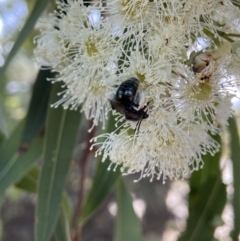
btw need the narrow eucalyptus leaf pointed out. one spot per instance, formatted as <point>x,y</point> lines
<point>3,123</point>
<point>206,203</point>
<point>14,165</point>
<point>103,182</point>
<point>12,144</point>
<point>62,230</point>
<point>128,226</point>
<point>235,154</point>
<point>67,206</point>
<point>29,181</point>
<point>60,139</point>
<point>207,199</point>
<point>2,138</point>
<point>235,3</point>
<point>37,111</point>
<point>26,30</point>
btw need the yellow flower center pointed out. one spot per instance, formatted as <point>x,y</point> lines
<point>91,48</point>
<point>201,92</point>
<point>140,77</point>
<point>130,132</point>
<point>133,10</point>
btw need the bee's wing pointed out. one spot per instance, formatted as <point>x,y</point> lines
<point>132,116</point>
<point>117,106</point>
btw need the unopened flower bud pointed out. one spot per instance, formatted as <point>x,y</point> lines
<point>203,65</point>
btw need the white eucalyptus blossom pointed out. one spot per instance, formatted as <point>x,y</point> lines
<point>227,16</point>
<point>202,15</point>
<point>131,56</point>
<point>131,16</point>
<point>167,148</point>
<point>203,98</point>
<point>150,70</point>
<point>86,58</point>
<point>49,50</point>
<point>234,60</point>
<point>167,39</point>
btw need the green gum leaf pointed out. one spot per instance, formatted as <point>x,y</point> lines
<point>3,123</point>
<point>211,36</point>
<point>29,183</point>
<point>128,226</point>
<point>103,182</point>
<point>14,163</point>
<point>37,111</point>
<point>27,29</point>
<point>61,132</point>
<point>207,199</point>
<point>235,147</point>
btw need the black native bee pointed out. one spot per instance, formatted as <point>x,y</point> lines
<point>128,102</point>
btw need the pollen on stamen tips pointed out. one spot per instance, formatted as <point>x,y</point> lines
<point>54,106</point>
<point>103,159</point>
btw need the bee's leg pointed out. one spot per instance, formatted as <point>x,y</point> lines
<point>138,125</point>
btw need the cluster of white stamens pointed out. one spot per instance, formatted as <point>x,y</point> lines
<point>185,96</point>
